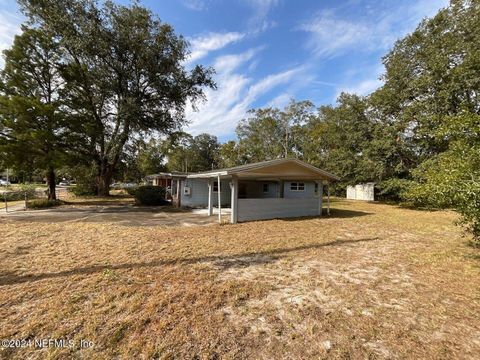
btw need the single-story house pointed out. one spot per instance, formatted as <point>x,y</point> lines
<point>279,188</point>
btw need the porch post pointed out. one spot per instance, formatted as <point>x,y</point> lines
<point>320,197</point>
<point>234,200</point>
<point>328,199</point>
<point>210,197</point>
<point>178,193</point>
<point>219,201</point>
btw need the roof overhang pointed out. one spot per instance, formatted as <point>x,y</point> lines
<point>279,169</point>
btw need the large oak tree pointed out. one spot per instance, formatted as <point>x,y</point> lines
<point>125,75</point>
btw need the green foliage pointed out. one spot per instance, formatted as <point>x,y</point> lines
<point>43,203</point>
<point>131,190</point>
<point>394,189</point>
<point>124,75</point>
<point>33,129</point>
<point>230,154</point>
<point>84,176</point>
<point>149,195</point>
<point>150,158</point>
<point>452,178</point>
<point>193,154</point>
<point>272,133</point>
<point>19,194</point>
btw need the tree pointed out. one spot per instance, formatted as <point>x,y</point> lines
<point>452,178</point>
<point>205,150</point>
<point>125,74</point>
<point>339,138</point>
<point>230,155</point>
<point>272,133</point>
<point>33,129</point>
<point>150,157</point>
<point>193,154</point>
<point>431,96</point>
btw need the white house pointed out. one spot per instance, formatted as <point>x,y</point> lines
<point>271,189</point>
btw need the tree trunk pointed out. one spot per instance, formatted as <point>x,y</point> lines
<point>52,195</point>
<point>103,181</point>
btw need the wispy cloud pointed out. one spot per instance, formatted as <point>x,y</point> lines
<point>371,31</point>
<point>236,94</point>
<point>204,44</point>
<point>259,21</point>
<point>195,5</point>
<point>334,32</point>
<point>332,36</point>
<point>9,27</point>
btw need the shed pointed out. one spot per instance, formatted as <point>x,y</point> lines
<point>279,188</point>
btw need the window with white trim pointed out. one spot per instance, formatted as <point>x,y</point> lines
<point>265,188</point>
<point>297,186</point>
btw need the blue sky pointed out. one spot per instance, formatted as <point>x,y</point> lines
<point>268,51</point>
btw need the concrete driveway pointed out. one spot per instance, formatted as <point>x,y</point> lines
<point>122,214</point>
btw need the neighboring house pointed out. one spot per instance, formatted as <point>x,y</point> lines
<point>271,189</point>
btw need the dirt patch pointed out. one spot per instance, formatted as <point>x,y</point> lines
<point>382,282</point>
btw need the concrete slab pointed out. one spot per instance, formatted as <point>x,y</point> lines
<point>124,214</point>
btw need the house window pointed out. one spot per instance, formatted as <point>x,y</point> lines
<point>297,186</point>
<point>316,188</point>
<point>265,188</point>
<point>215,186</point>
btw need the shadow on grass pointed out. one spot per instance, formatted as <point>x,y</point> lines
<point>334,213</point>
<point>223,262</point>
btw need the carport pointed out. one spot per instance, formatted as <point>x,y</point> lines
<point>279,188</point>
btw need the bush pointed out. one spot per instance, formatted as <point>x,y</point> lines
<point>43,203</point>
<point>85,177</point>
<point>84,189</point>
<point>149,195</point>
<point>130,190</point>
<point>394,189</point>
<point>19,194</point>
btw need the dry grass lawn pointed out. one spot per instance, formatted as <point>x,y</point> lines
<point>372,281</point>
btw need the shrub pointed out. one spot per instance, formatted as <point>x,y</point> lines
<point>43,203</point>
<point>84,189</point>
<point>149,195</point>
<point>85,177</point>
<point>393,189</point>
<point>20,194</point>
<point>130,190</point>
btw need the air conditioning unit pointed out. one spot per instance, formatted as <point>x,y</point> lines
<point>187,190</point>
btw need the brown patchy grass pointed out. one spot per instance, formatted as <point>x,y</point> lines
<point>371,281</point>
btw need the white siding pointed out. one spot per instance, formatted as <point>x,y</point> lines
<point>258,209</point>
<point>361,192</point>
<point>351,192</point>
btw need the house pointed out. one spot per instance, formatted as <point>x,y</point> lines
<point>279,188</point>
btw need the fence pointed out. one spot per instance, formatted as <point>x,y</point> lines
<point>18,200</point>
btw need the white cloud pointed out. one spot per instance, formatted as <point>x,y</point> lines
<point>373,30</point>
<point>330,35</point>
<point>204,44</point>
<point>362,88</point>
<point>259,21</point>
<point>9,27</point>
<point>333,33</point>
<point>280,100</point>
<point>195,5</point>
<point>235,95</point>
